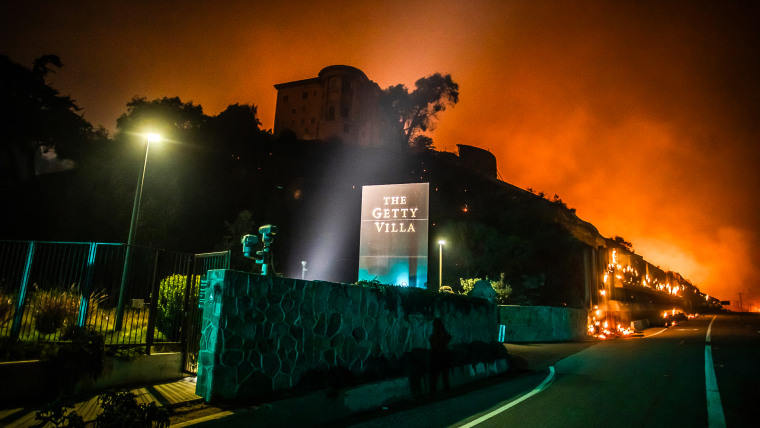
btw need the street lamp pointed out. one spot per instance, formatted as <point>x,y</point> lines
<point>149,138</point>
<point>440,263</point>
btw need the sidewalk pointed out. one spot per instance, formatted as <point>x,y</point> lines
<point>173,395</point>
<point>316,409</point>
<point>187,408</point>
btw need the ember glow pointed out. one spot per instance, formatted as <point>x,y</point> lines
<point>641,115</point>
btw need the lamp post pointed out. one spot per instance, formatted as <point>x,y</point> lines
<point>150,138</point>
<point>133,232</point>
<point>440,263</point>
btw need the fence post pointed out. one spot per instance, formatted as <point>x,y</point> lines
<point>189,287</point>
<point>153,312</point>
<point>86,288</point>
<point>17,317</point>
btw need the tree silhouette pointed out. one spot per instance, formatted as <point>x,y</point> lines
<point>421,143</point>
<point>414,112</point>
<point>34,117</point>
<point>169,117</point>
<point>625,244</point>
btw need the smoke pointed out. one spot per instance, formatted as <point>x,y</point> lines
<point>641,115</point>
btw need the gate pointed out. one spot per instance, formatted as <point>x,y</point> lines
<point>194,298</point>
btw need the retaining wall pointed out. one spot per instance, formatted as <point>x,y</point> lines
<point>265,334</point>
<point>542,323</point>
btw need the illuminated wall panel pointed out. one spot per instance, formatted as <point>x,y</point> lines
<point>394,234</point>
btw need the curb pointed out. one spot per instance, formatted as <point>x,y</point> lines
<point>323,407</point>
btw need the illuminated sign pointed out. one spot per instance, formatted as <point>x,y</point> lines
<point>394,234</point>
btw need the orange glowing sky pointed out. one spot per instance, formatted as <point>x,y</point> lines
<point>642,115</point>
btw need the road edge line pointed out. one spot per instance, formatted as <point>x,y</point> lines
<point>715,416</point>
<point>709,329</point>
<point>493,413</point>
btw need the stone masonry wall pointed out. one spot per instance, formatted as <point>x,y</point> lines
<point>542,323</point>
<point>262,334</point>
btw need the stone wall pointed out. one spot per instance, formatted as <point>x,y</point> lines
<point>264,334</point>
<point>542,323</point>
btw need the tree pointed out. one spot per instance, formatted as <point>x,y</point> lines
<point>421,143</point>
<point>169,117</point>
<point>237,131</point>
<point>244,224</point>
<point>625,244</point>
<point>503,290</point>
<point>34,117</point>
<point>412,113</point>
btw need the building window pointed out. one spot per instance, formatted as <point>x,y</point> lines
<point>303,121</point>
<point>305,95</point>
<point>333,83</point>
<point>292,124</point>
<point>293,111</point>
<point>344,111</point>
<point>313,120</point>
<point>331,113</point>
<point>346,128</point>
<point>285,98</point>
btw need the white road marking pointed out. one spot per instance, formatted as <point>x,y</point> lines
<point>655,334</point>
<point>535,391</point>
<point>715,417</point>
<point>709,328</point>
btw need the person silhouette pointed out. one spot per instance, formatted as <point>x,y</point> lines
<point>439,355</point>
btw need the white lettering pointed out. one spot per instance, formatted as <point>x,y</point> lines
<point>414,212</point>
<point>394,200</point>
<point>400,227</point>
<point>376,213</point>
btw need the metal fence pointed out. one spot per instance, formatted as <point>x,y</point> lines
<point>136,297</point>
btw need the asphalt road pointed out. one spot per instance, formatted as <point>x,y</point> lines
<point>666,378</point>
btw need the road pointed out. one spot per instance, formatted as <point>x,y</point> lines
<point>667,378</point>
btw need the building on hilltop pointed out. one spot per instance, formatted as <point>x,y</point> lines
<point>341,103</point>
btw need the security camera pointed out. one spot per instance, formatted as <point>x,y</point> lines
<point>267,232</point>
<point>249,245</point>
<point>268,229</point>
